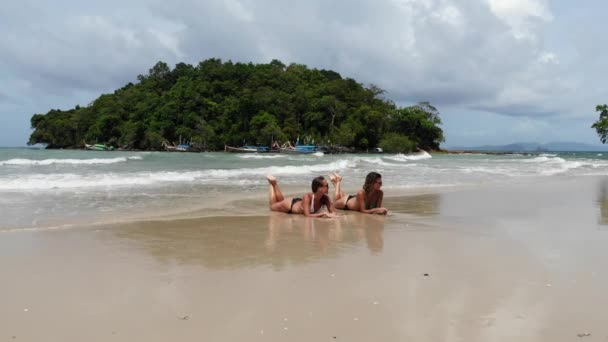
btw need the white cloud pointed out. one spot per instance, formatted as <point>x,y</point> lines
<point>548,58</point>
<point>238,9</point>
<point>522,16</point>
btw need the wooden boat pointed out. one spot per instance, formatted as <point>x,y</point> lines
<point>98,147</point>
<point>247,149</point>
<point>181,148</point>
<point>301,149</point>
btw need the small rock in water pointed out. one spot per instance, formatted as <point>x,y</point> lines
<point>585,334</point>
<point>184,318</point>
<point>426,274</point>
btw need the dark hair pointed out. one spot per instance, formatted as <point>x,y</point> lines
<point>317,182</point>
<point>370,179</point>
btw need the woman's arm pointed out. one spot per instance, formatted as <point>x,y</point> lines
<point>361,201</point>
<point>306,199</point>
<point>306,204</point>
<point>381,210</point>
<point>329,204</point>
<point>379,201</point>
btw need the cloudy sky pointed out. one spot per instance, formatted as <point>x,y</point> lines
<point>499,71</point>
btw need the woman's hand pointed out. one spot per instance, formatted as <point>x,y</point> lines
<point>380,211</point>
<point>330,215</point>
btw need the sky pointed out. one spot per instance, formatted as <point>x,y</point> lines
<point>499,71</point>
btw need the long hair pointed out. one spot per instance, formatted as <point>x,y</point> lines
<point>317,182</point>
<point>370,179</point>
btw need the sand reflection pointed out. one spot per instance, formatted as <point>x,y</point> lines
<point>422,205</point>
<point>327,235</point>
<point>278,240</point>
<point>602,202</point>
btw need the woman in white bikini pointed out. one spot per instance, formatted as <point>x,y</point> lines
<point>309,205</point>
<point>367,200</point>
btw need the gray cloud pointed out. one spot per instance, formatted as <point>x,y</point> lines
<point>5,98</point>
<point>519,59</point>
<point>457,52</point>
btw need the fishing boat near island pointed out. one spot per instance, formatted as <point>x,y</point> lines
<point>98,147</point>
<point>182,147</point>
<point>301,149</point>
<point>247,149</point>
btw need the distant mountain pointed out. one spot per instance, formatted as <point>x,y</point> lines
<point>535,147</point>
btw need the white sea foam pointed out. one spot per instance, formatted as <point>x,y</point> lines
<point>45,162</point>
<point>548,165</point>
<point>262,156</point>
<point>562,167</point>
<point>373,160</point>
<point>488,170</point>
<point>543,159</point>
<point>62,181</point>
<point>34,229</point>
<point>407,157</point>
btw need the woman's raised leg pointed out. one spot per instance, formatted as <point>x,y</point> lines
<point>339,196</point>
<point>276,200</point>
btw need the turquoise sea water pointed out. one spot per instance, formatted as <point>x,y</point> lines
<point>43,188</point>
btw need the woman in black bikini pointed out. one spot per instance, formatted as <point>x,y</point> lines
<point>367,200</point>
<point>309,205</point>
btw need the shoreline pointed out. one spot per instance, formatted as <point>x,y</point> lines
<point>255,205</point>
<point>431,151</point>
<point>493,262</point>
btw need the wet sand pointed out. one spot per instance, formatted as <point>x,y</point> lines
<point>520,261</point>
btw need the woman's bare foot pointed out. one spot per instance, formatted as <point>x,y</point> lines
<point>338,177</point>
<point>271,179</point>
<point>333,178</point>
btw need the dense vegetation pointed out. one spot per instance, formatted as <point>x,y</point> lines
<point>601,125</point>
<point>217,103</point>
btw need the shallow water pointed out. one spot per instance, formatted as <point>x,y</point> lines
<point>55,188</point>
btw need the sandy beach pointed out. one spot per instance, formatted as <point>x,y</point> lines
<point>518,261</point>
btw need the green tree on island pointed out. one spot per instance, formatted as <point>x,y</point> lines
<point>216,103</point>
<point>601,125</point>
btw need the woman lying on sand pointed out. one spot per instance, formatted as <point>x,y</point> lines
<point>309,204</point>
<point>368,200</point>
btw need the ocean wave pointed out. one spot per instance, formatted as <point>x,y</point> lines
<point>543,159</point>
<point>35,229</point>
<point>562,168</point>
<point>376,161</point>
<point>488,170</point>
<point>407,157</point>
<point>45,162</point>
<point>262,156</point>
<point>60,181</point>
